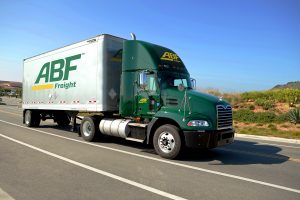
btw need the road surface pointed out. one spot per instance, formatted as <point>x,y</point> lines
<point>51,163</point>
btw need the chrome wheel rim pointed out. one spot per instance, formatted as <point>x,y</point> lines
<point>166,142</point>
<point>87,128</point>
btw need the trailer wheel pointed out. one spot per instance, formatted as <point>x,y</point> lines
<point>36,119</point>
<point>89,128</point>
<point>32,118</point>
<point>167,141</point>
<point>28,118</point>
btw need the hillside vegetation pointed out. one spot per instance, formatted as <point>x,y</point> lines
<point>291,96</point>
<point>271,112</point>
<point>293,85</point>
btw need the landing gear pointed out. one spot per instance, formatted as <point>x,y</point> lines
<point>62,119</point>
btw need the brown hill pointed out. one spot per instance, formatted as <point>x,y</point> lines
<point>294,85</point>
<point>10,84</point>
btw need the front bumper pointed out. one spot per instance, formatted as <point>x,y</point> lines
<point>208,139</point>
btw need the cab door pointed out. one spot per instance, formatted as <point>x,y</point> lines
<point>148,94</point>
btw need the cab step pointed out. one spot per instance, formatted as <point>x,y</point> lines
<point>134,139</point>
<point>138,125</point>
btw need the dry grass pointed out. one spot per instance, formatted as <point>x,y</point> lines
<point>285,130</point>
<point>283,127</point>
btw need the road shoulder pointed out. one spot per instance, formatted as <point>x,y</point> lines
<point>268,138</point>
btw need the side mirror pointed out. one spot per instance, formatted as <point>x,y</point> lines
<point>193,82</point>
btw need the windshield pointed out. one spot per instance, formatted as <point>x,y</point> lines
<point>173,79</point>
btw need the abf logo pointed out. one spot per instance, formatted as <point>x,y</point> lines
<point>56,70</point>
<point>170,57</point>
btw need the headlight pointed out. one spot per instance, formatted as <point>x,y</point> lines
<point>198,123</point>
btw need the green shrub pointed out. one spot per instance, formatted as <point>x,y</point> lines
<point>291,96</point>
<point>294,116</point>
<point>281,95</point>
<point>253,95</point>
<point>259,101</point>
<point>265,104</point>
<point>246,115</point>
<point>265,117</point>
<point>282,118</point>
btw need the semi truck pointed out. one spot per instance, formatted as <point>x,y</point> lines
<point>131,89</point>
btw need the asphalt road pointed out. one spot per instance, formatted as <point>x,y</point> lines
<point>50,163</point>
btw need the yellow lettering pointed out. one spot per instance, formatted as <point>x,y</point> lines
<point>170,57</point>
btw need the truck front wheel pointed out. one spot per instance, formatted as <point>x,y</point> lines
<point>89,128</point>
<point>167,141</point>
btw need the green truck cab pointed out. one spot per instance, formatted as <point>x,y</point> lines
<point>156,89</point>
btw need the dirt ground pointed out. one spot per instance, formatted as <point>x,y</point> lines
<point>284,126</point>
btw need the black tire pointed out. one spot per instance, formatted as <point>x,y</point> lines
<point>32,118</point>
<point>36,119</point>
<point>62,119</point>
<point>167,141</point>
<point>89,129</point>
<point>28,118</point>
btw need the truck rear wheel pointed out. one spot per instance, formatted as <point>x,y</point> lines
<point>89,128</point>
<point>167,141</point>
<point>32,118</point>
<point>28,118</point>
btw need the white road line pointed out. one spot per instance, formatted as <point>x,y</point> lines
<point>5,196</point>
<point>104,173</point>
<point>167,161</point>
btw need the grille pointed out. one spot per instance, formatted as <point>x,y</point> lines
<point>224,116</point>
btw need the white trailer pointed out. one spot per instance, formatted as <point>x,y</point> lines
<point>76,77</point>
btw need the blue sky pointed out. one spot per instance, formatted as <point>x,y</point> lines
<point>230,45</point>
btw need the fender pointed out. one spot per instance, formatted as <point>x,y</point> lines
<point>149,128</point>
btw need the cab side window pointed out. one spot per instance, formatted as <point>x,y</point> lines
<point>147,81</point>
